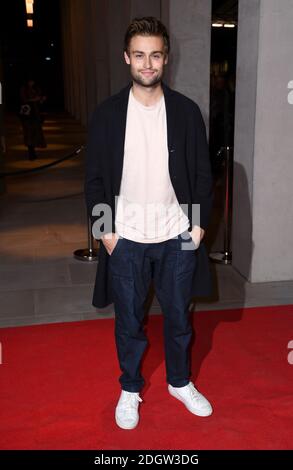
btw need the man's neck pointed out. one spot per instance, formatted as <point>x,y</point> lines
<point>148,96</point>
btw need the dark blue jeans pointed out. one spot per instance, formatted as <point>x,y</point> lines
<point>132,266</point>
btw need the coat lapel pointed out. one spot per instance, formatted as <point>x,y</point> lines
<point>120,127</point>
<point>170,103</point>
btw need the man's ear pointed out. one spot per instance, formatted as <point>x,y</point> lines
<point>126,58</point>
<point>166,59</point>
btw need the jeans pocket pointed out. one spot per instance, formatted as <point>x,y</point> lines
<point>186,258</point>
<point>116,247</point>
<point>185,240</point>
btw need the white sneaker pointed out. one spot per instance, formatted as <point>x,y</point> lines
<point>126,413</point>
<point>194,401</point>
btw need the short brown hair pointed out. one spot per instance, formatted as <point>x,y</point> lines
<point>146,26</point>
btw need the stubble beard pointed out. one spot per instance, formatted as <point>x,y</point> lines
<point>136,77</point>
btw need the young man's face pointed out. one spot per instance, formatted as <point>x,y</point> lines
<point>146,59</point>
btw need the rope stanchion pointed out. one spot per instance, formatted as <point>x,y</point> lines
<point>87,254</point>
<point>225,256</point>
<point>43,167</point>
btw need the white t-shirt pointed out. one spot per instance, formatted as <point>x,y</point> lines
<point>147,209</point>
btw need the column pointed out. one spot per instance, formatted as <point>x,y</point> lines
<point>263,164</point>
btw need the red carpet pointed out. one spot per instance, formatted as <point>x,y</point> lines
<point>59,385</point>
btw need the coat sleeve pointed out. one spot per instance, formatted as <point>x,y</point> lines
<point>94,180</point>
<point>204,179</point>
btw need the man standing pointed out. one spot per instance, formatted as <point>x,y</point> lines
<point>148,160</point>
